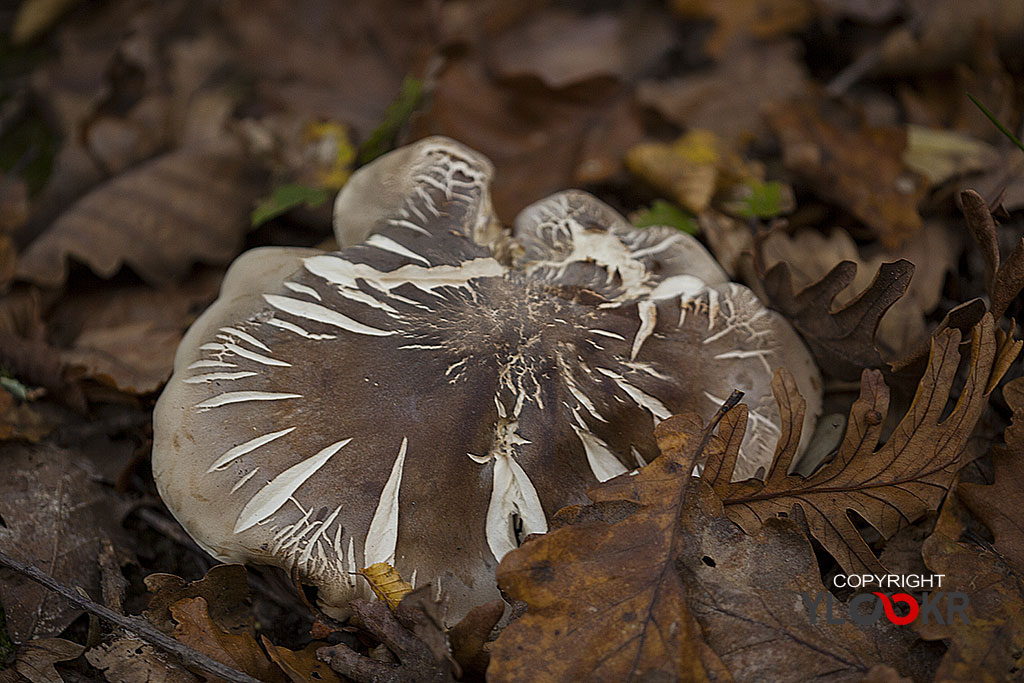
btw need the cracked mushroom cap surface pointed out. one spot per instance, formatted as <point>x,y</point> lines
<point>437,390</point>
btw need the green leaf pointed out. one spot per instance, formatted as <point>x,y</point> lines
<point>382,138</point>
<point>765,201</point>
<point>991,117</point>
<point>662,212</point>
<point>285,198</point>
<point>14,387</point>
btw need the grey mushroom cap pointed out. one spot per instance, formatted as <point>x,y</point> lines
<point>436,390</point>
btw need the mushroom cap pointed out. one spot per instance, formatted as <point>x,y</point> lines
<point>431,394</point>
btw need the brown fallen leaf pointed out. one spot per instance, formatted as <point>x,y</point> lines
<point>992,575</point>
<point>54,518</point>
<point>541,137</point>
<point>310,59</point>
<point>36,16</point>
<point>469,638</point>
<point>747,593</point>
<point>536,138</point>
<point>561,48</point>
<point>855,165</point>
<point>728,97</point>
<point>1003,185</point>
<point>301,666</point>
<point>35,658</point>
<point>34,362</point>
<point>666,534</point>
<point>842,340</point>
<point>987,649</point>
<point>605,602</point>
<point>224,588</point>
<point>114,94</point>
<point>940,34</point>
<point>934,251</point>
<point>1004,279</point>
<point>692,169</point>
<point>159,218</point>
<point>125,335</point>
<point>125,659</point>
<point>1001,505</point>
<point>889,487</point>
<point>240,651</point>
<point>736,20</point>
<point>18,420</point>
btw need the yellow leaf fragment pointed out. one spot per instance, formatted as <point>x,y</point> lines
<point>386,583</point>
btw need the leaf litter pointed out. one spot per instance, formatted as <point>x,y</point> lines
<point>816,147</point>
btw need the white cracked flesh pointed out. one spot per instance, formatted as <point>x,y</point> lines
<point>313,398</point>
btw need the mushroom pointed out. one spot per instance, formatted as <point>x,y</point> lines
<point>436,390</point>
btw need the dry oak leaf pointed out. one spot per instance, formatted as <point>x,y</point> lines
<point>842,340</point>
<point>197,629</point>
<point>605,600</point>
<point>852,164</point>
<point>889,487</point>
<point>990,647</point>
<point>318,59</point>
<point>159,218</point>
<point>224,588</point>
<point>126,335</point>
<point>934,250</point>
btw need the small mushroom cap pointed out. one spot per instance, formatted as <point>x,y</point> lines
<point>428,396</point>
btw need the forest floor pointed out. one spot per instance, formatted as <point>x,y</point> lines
<point>144,145</point>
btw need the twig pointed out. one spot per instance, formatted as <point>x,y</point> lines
<point>134,625</point>
<point>734,398</point>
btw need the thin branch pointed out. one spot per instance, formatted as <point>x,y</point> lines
<point>139,627</point>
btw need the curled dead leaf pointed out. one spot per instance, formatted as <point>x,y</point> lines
<point>35,659</point>
<point>889,486</point>
<point>842,340</point>
<point>125,659</point>
<point>810,255</point>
